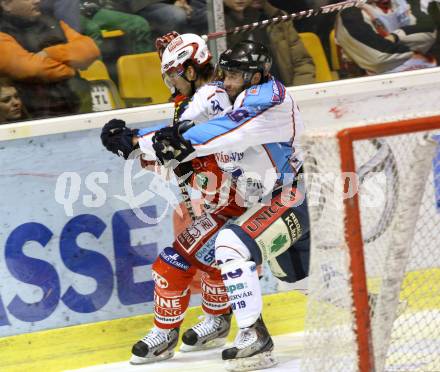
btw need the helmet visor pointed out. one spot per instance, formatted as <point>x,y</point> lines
<point>170,76</point>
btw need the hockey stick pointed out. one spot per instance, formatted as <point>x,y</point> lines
<point>184,126</point>
<point>185,194</point>
<point>287,17</point>
<point>183,187</point>
<point>180,182</point>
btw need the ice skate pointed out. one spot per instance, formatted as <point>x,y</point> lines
<point>210,333</point>
<point>157,345</point>
<point>252,349</point>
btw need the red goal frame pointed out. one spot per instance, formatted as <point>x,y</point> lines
<point>352,228</point>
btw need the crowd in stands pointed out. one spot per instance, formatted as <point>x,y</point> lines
<point>292,64</point>
<point>44,44</point>
<point>42,56</point>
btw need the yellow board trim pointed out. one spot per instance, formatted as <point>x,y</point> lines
<point>110,341</point>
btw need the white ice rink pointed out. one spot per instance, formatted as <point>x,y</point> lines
<point>287,351</point>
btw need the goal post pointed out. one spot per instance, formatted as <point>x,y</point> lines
<point>374,292</point>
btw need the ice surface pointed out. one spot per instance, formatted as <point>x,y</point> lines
<point>287,351</point>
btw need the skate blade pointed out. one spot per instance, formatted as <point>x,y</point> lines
<point>217,342</point>
<point>259,361</point>
<point>135,360</point>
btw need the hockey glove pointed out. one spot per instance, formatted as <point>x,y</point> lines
<point>117,138</point>
<point>169,144</point>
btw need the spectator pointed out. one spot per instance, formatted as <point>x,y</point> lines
<point>291,62</point>
<point>97,15</point>
<point>321,24</point>
<point>198,21</point>
<point>306,24</point>
<point>428,12</point>
<point>174,15</point>
<point>11,106</point>
<point>383,36</point>
<point>41,55</point>
<point>63,10</point>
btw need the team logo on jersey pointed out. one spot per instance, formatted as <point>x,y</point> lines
<point>215,107</point>
<point>254,91</point>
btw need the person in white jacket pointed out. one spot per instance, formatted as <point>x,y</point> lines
<point>383,36</point>
<point>186,67</point>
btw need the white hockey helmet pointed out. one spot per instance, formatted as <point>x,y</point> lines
<point>186,47</point>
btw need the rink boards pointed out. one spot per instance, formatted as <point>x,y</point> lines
<point>111,341</point>
<point>77,241</point>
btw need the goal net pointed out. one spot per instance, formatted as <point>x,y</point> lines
<point>374,284</point>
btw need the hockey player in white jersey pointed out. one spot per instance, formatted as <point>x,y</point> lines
<point>186,68</point>
<point>256,144</point>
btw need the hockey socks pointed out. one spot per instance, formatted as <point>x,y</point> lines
<point>244,291</point>
<point>253,345</point>
<point>214,296</point>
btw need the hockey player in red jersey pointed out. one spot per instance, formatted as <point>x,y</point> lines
<point>187,70</point>
<point>257,144</point>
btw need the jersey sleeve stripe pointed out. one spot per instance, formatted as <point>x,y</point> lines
<point>150,130</point>
<point>225,127</point>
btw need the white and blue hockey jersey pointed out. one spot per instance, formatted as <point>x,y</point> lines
<point>256,142</point>
<point>209,101</point>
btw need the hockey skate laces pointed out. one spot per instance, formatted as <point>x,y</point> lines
<point>155,337</point>
<point>245,338</point>
<point>207,325</point>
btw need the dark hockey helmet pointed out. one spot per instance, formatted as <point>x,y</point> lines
<point>248,57</point>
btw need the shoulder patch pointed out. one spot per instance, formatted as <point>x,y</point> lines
<point>216,107</point>
<point>278,92</point>
<point>254,91</point>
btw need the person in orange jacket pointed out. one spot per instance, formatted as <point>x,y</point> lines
<point>41,55</point>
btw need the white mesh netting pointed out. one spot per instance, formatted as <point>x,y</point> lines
<point>400,227</point>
